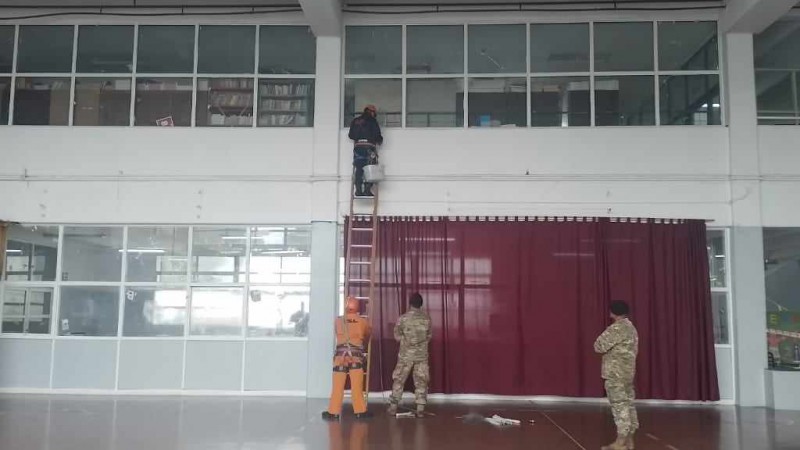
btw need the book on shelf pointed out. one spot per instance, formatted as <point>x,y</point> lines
<point>286,89</point>
<point>283,120</point>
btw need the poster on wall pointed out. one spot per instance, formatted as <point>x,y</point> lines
<point>165,122</point>
<point>783,336</point>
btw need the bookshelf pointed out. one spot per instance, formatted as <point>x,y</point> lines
<point>228,101</point>
<point>286,103</point>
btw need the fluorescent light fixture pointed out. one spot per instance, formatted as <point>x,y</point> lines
<point>715,105</point>
<point>234,238</point>
<point>719,256</point>
<point>143,250</point>
<point>13,250</point>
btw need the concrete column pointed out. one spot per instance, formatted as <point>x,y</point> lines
<point>747,252</point>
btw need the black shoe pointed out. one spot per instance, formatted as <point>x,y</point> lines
<point>328,416</point>
<point>364,415</point>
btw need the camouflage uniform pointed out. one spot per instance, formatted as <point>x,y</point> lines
<point>413,330</point>
<point>619,345</point>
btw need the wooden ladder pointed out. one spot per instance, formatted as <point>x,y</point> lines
<point>360,259</point>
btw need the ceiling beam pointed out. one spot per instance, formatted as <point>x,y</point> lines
<point>324,16</point>
<point>753,16</point>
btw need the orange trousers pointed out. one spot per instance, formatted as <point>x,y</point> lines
<point>342,367</point>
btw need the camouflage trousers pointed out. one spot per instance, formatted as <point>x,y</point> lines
<point>621,395</point>
<point>421,380</point>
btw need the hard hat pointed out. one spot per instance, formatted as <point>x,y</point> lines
<point>351,305</point>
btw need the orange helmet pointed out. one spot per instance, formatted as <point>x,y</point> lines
<point>351,305</point>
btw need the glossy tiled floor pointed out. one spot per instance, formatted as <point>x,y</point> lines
<point>159,423</point>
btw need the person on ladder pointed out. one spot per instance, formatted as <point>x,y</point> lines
<point>366,135</point>
<point>352,334</point>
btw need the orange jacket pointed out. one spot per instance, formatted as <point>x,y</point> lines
<point>357,327</point>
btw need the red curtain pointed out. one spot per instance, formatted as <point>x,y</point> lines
<point>516,304</point>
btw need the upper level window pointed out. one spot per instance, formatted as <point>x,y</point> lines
<point>45,49</point>
<point>276,57</point>
<point>6,48</point>
<point>542,75</point>
<point>165,49</point>
<point>226,49</point>
<point>777,64</point>
<point>105,49</point>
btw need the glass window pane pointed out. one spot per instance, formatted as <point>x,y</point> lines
<point>435,49</point>
<point>102,101</point>
<point>775,96</point>
<point>88,311</point>
<point>375,50</point>
<point>105,48</point>
<point>225,102</point>
<point>285,103</point>
<point>623,101</point>
<point>690,100</point>
<point>41,101</point>
<point>151,311</point>
<point>386,94</point>
<point>497,102</point>
<point>158,254</point>
<point>5,98</point>
<point>719,301</point>
<point>776,47</point>
<point>278,311</point>
<point>163,102</point>
<point>280,255</point>
<point>687,46</point>
<point>165,49</point>
<point>560,47</point>
<point>220,254</point>
<point>715,244</point>
<point>287,49</point>
<point>623,46</point>
<point>92,254</point>
<point>435,103</point>
<point>226,49</point>
<point>497,48</point>
<point>31,253</point>
<point>6,48</point>
<point>45,48</point>
<point>27,310</point>
<point>560,102</point>
<point>217,311</point>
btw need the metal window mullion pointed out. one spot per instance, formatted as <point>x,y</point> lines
<point>71,116</point>
<point>656,85</point>
<point>794,95</point>
<point>13,87</point>
<point>121,302</point>
<point>465,98</point>
<point>193,118</point>
<point>246,304</point>
<point>528,74</point>
<point>56,308</point>
<point>403,83</point>
<point>256,69</point>
<point>592,94</point>
<point>134,68</point>
<point>188,303</point>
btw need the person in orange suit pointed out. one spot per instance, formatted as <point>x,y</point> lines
<point>352,334</point>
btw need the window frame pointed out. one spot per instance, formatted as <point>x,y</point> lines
<point>134,75</point>
<point>656,73</point>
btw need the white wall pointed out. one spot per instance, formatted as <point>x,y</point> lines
<point>641,172</point>
<point>155,175</point>
<point>779,158</point>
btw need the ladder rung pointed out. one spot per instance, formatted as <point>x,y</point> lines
<point>359,280</point>
<point>361,298</point>
<point>360,263</point>
<point>361,246</point>
<point>361,229</point>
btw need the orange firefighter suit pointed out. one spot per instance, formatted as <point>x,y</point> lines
<point>352,334</point>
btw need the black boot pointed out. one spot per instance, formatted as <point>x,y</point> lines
<point>365,415</point>
<point>328,416</point>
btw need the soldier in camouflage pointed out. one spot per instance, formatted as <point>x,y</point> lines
<point>413,331</point>
<point>619,345</point>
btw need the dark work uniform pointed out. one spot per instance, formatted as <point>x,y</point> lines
<point>366,135</point>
